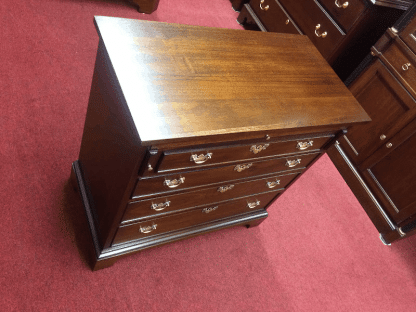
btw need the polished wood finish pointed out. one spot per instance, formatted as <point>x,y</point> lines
<point>343,35</point>
<point>157,185</point>
<point>203,214</point>
<point>221,192</point>
<point>168,90</point>
<point>376,159</point>
<point>182,159</point>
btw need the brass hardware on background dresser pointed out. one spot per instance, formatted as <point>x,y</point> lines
<point>223,189</point>
<point>323,35</point>
<point>382,137</point>
<point>261,6</point>
<point>304,145</point>
<point>287,21</point>
<point>149,167</point>
<point>201,158</point>
<point>240,168</point>
<point>253,204</point>
<point>389,145</point>
<point>174,183</point>
<point>292,163</point>
<point>273,184</point>
<point>148,229</point>
<point>161,206</point>
<point>406,66</point>
<point>208,210</point>
<point>343,5</point>
<point>257,149</point>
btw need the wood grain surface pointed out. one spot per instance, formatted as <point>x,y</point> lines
<point>182,82</point>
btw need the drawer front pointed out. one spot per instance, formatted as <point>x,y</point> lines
<point>399,58</point>
<point>191,218</point>
<point>314,23</point>
<point>344,12</point>
<point>174,202</point>
<point>273,17</point>
<point>184,180</point>
<point>408,34</point>
<point>178,160</point>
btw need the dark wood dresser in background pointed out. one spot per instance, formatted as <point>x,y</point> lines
<point>195,129</point>
<point>342,30</point>
<point>378,159</point>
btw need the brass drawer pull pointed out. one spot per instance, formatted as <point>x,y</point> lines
<point>161,206</point>
<point>287,22</point>
<point>273,184</point>
<point>148,229</point>
<point>208,210</point>
<point>406,66</point>
<point>389,145</point>
<point>344,5</point>
<point>240,168</point>
<point>261,6</point>
<point>292,163</point>
<point>253,204</point>
<point>323,35</point>
<point>174,183</point>
<point>223,189</point>
<point>383,137</point>
<point>304,145</point>
<point>257,149</point>
<point>201,158</point>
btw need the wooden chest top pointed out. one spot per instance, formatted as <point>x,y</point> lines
<point>182,81</point>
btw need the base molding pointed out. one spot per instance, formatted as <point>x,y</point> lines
<point>106,257</point>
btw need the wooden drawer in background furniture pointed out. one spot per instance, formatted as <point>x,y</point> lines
<point>192,218</point>
<point>402,63</point>
<point>344,12</point>
<point>325,34</point>
<point>274,17</point>
<point>167,204</point>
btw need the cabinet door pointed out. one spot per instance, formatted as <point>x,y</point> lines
<point>386,102</point>
<point>391,174</point>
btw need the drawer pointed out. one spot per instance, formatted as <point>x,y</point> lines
<point>313,22</point>
<point>179,160</point>
<point>185,180</point>
<point>344,12</point>
<point>273,16</point>
<point>408,34</point>
<point>402,62</point>
<point>191,218</point>
<point>219,193</point>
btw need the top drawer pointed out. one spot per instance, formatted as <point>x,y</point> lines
<point>402,62</point>
<point>314,22</point>
<point>344,12</point>
<point>273,16</point>
<point>176,160</point>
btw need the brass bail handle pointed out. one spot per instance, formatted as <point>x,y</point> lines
<point>323,35</point>
<point>343,5</point>
<point>261,6</point>
<point>406,66</point>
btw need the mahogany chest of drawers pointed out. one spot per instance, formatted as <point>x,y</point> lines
<point>194,129</point>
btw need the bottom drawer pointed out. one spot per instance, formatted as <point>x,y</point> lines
<point>193,217</point>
